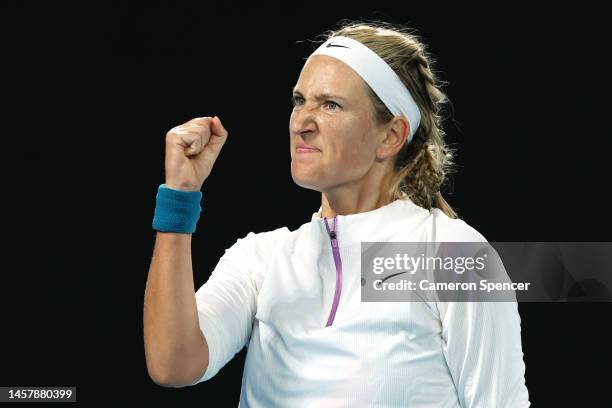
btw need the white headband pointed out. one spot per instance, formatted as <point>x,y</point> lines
<point>377,74</point>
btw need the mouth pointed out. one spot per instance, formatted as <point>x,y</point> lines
<point>304,148</point>
<point>307,150</point>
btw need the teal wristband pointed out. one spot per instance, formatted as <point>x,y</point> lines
<point>176,210</point>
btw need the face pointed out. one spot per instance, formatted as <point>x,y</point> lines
<point>333,114</point>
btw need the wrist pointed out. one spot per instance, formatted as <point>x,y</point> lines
<point>182,186</point>
<point>176,210</point>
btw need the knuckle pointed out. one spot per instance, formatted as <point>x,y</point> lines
<point>171,135</point>
<point>202,120</point>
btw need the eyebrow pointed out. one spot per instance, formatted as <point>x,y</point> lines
<point>320,97</point>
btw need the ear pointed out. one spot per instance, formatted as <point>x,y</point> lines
<point>395,138</point>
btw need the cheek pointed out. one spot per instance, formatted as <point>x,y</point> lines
<point>353,151</point>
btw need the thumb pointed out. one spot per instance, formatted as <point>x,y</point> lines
<point>217,127</point>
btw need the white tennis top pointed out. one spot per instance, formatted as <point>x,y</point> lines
<point>276,291</point>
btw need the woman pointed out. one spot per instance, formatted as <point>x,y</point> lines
<point>366,132</point>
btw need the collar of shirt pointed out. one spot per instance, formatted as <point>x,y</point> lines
<point>380,224</point>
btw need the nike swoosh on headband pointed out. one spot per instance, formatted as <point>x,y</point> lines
<point>335,45</point>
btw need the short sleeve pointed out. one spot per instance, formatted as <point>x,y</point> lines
<point>227,302</point>
<point>482,347</point>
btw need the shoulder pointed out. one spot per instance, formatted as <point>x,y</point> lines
<point>454,229</point>
<point>262,242</point>
<point>252,252</point>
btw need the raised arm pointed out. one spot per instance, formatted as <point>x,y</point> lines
<point>176,350</point>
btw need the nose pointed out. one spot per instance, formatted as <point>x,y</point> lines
<point>303,121</point>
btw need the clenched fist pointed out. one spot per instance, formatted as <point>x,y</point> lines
<point>191,151</point>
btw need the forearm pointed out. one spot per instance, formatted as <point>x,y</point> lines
<point>175,348</point>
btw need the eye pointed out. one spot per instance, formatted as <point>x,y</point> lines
<point>296,100</point>
<point>333,104</point>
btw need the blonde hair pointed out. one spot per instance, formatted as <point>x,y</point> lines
<point>422,165</point>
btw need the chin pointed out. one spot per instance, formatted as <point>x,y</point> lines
<point>305,182</point>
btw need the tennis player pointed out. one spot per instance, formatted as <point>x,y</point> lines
<point>366,132</point>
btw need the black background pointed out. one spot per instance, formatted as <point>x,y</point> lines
<point>92,89</point>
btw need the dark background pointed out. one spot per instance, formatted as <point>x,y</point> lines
<point>92,89</point>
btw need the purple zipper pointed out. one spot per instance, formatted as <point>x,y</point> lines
<point>333,235</point>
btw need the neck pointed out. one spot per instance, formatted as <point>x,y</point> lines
<point>355,198</point>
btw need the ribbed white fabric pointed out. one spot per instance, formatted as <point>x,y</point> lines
<point>273,291</point>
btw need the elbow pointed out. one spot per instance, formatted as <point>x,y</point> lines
<point>172,378</point>
<point>159,376</point>
<point>166,379</point>
<point>167,382</point>
<point>176,370</point>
